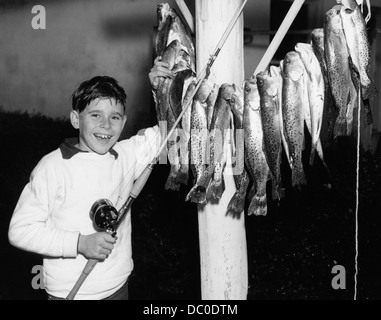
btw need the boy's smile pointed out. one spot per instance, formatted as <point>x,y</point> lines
<point>100,125</point>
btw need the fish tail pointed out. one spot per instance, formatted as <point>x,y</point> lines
<point>172,182</point>
<point>298,177</point>
<point>183,174</point>
<point>258,205</point>
<point>368,112</point>
<point>236,203</point>
<point>340,128</point>
<point>217,188</point>
<point>369,91</point>
<point>197,194</point>
<point>277,190</point>
<point>312,155</point>
<point>319,150</point>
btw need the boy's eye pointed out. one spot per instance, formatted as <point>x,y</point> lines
<point>115,118</point>
<point>95,115</point>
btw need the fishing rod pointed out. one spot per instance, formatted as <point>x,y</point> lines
<point>103,213</point>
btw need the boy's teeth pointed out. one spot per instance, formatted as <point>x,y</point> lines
<point>103,136</point>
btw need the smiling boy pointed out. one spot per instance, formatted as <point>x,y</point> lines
<point>52,216</point>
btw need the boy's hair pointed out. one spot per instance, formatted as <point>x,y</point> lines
<point>98,87</point>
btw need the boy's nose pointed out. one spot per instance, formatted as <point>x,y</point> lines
<point>105,123</point>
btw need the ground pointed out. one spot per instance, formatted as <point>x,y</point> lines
<point>291,251</point>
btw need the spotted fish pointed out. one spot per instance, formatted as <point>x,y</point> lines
<point>314,82</point>
<point>271,123</point>
<point>356,35</point>
<point>198,144</point>
<point>339,74</point>
<point>293,113</point>
<point>255,158</point>
<point>219,126</point>
<point>241,176</point>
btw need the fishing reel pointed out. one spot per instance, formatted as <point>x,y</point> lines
<point>104,216</point>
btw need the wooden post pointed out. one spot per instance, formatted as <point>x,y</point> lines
<point>223,251</point>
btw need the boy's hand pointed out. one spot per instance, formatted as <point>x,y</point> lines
<point>96,246</point>
<point>159,69</point>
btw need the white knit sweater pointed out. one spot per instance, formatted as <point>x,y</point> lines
<point>54,208</point>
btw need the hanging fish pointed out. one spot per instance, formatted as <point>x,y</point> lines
<point>241,176</point>
<point>339,74</point>
<point>315,92</point>
<point>219,126</point>
<point>255,158</point>
<point>293,97</point>
<point>171,27</point>
<point>184,143</point>
<point>356,35</point>
<point>173,56</point>
<point>180,143</point>
<point>164,20</point>
<point>168,95</point>
<point>329,109</point>
<point>277,72</point>
<point>271,123</point>
<point>198,145</point>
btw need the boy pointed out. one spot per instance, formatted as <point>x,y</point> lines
<point>52,215</point>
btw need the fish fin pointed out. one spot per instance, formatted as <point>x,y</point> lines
<point>172,183</point>
<point>319,149</point>
<point>368,112</point>
<point>217,188</point>
<point>286,150</point>
<point>197,195</point>
<point>298,177</point>
<point>340,128</point>
<point>277,190</point>
<point>258,206</point>
<point>312,155</point>
<point>183,174</point>
<point>370,91</point>
<point>237,203</point>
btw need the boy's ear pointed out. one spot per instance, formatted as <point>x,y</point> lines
<point>74,119</point>
<point>124,120</point>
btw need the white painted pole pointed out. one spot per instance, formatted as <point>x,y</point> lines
<point>223,251</point>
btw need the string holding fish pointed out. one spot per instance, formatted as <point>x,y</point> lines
<point>360,3</point>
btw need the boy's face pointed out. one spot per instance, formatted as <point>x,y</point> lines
<point>100,125</point>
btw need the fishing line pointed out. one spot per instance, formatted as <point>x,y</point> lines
<point>358,166</point>
<point>357,190</point>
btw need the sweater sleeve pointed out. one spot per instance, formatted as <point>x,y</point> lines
<point>147,144</point>
<point>30,227</point>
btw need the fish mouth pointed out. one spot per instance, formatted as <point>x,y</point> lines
<point>101,136</point>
